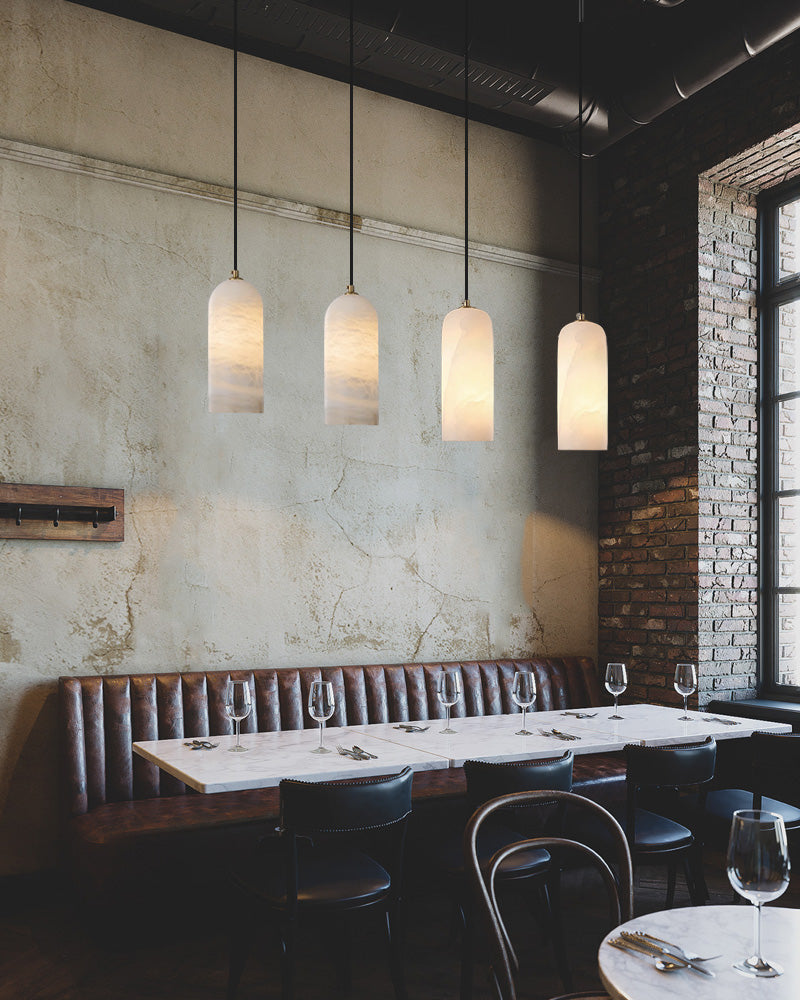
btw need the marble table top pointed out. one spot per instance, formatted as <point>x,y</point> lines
<point>707,930</point>
<point>287,754</point>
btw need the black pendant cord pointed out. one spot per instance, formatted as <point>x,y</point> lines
<point>352,283</point>
<point>466,151</point>
<point>236,136</point>
<point>580,157</point>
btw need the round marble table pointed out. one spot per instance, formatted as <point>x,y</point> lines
<point>707,930</point>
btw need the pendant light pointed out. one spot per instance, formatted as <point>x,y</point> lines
<point>467,337</point>
<point>235,312</point>
<point>351,335</point>
<point>582,349</point>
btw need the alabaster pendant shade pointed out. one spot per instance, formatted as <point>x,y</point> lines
<point>235,348</point>
<point>351,361</point>
<point>582,387</point>
<point>467,376</point>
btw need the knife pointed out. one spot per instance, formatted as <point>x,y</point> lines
<point>665,952</point>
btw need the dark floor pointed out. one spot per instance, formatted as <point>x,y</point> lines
<point>47,951</point>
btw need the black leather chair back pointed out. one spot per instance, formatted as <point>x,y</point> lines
<point>486,780</point>
<point>673,766</point>
<point>328,807</point>
<point>776,767</point>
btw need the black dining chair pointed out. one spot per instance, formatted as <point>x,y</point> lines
<point>486,780</point>
<point>484,874</point>
<point>675,778</point>
<point>769,770</point>
<point>340,850</point>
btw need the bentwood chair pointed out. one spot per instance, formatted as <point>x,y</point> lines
<point>483,876</point>
<point>661,775</point>
<point>343,844</point>
<point>532,869</point>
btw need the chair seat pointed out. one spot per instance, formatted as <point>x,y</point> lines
<point>492,837</point>
<point>326,877</point>
<point>721,805</point>
<point>657,833</point>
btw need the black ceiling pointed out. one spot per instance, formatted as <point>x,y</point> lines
<point>640,56</point>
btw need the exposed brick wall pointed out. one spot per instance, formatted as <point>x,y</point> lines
<point>728,440</point>
<point>670,376</point>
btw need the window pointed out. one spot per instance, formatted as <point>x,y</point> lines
<point>779,444</point>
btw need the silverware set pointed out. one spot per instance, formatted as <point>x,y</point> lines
<point>356,753</point>
<point>201,745</point>
<point>581,715</point>
<point>557,734</point>
<point>667,957</point>
<point>409,728</point>
<point>725,722</point>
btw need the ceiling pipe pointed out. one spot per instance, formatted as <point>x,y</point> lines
<point>655,88</point>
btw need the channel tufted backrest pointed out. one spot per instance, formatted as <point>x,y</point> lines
<point>101,717</point>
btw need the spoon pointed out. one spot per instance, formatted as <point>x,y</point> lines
<point>663,965</point>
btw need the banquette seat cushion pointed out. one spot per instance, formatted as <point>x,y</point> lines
<point>116,804</point>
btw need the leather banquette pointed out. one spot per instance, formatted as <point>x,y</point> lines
<point>118,808</point>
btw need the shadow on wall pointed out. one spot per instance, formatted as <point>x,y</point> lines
<point>29,819</point>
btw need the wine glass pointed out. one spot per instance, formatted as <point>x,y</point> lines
<point>237,707</point>
<point>758,869</point>
<point>523,691</point>
<point>448,691</point>
<point>685,684</point>
<point>616,682</point>
<point>321,705</point>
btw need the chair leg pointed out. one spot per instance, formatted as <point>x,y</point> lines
<point>551,894</point>
<point>395,936</point>
<point>695,862</point>
<point>287,933</point>
<point>671,873</point>
<point>342,955</point>
<point>241,940</point>
<point>467,949</point>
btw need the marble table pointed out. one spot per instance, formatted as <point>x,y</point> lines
<point>707,930</point>
<point>272,756</point>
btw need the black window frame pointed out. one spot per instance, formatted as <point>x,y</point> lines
<point>772,293</point>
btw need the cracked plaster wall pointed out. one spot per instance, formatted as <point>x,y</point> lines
<point>255,540</point>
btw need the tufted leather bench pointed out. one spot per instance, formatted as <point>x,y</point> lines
<point>122,813</point>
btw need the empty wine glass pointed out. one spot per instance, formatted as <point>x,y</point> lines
<point>616,682</point>
<point>237,707</point>
<point>321,705</point>
<point>523,691</point>
<point>448,691</point>
<point>685,684</point>
<point>758,869</point>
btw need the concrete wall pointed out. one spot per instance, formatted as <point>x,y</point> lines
<point>263,540</point>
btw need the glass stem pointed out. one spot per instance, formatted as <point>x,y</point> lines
<point>238,733</point>
<point>524,710</point>
<point>321,727</point>
<point>685,704</point>
<point>616,699</point>
<point>447,724</point>
<point>757,934</point>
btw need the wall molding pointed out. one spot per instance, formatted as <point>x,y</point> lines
<point>56,159</point>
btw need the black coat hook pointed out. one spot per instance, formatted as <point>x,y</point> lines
<point>56,518</point>
<point>96,518</point>
<point>19,516</point>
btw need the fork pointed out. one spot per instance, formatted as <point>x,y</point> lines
<point>725,722</point>
<point>366,753</point>
<point>351,753</point>
<point>676,947</point>
<point>557,735</point>
<point>581,715</point>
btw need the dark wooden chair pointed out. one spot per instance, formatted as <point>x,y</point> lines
<point>769,769</point>
<point>342,850</point>
<point>663,774</point>
<point>483,876</point>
